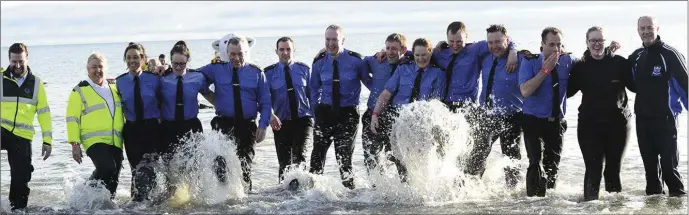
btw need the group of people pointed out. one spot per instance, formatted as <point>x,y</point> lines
<point>148,111</point>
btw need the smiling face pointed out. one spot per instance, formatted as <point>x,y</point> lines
<point>179,63</point>
<point>422,56</point>
<point>595,43</point>
<point>648,30</point>
<point>497,43</point>
<point>237,53</point>
<point>96,70</point>
<point>134,60</point>
<point>334,41</point>
<point>456,40</point>
<point>18,63</point>
<point>285,51</point>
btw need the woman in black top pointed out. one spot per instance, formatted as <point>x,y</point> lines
<point>603,129</point>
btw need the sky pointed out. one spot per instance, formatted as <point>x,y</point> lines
<point>53,23</point>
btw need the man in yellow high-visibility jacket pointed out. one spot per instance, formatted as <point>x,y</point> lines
<point>94,121</point>
<point>23,96</point>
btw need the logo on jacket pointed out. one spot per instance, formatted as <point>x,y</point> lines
<point>27,90</point>
<point>656,71</point>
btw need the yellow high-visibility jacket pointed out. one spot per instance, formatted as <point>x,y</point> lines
<point>89,120</point>
<point>19,104</point>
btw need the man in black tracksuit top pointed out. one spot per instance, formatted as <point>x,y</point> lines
<point>660,74</point>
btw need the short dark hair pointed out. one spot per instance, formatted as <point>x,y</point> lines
<point>161,56</point>
<point>397,37</point>
<point>422,42</point>
<point>236,41</point>
<point>456,27</point>
<point>18,48</point>
<point>550,30</point>
<point>283,39</point>
<point>181,42</point>
<point>497,28</point>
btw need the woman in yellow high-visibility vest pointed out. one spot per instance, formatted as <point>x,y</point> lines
<point>94,122</point>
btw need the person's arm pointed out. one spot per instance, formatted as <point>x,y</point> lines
<point>678,70</point>
<point>315,84</point>
<point>205,91</point>
<point>627,74</point>
<point>264,105</point>
<point>43,112</point>
<point>574,79</point>
<point>364,70</point>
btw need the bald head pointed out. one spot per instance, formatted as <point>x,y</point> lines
<point>648,30</point>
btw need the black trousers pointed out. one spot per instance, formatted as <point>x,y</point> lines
<point>658,137</point>
<point>290,142</point>
<point>173,133</point>
<point>341,129</point>
<point>602,142</point>
<point>19,156</point>
<point>108,162</point>
<point>373,144</point>
<point>508,129</point>
<point>542,135</point>
<point>244,134</point>
<point>142,141</point>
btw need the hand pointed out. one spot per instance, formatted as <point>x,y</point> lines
<point>160,70</point>
<point>374,124</point>
<point>320,52</point>
<point>381,55</point>
<point>614,46</point>
<point>439,46</point>
<point>549,63</point>
<point>512,61</point>
<point>275,123</point>
<point>260,134</point>
<point>76,153</point>
<point>45,151</point>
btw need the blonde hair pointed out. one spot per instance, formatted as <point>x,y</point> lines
<point>97,56</point>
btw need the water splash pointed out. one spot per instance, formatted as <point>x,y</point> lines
<point>192,170</point>
<point>89,195</point>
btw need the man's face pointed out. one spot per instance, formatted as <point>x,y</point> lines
<point>237,53</point>
<point>334,41</point>
<point>456,41</point>
<point>162,60</point>
<point>497,43</point>
<point>394,51</point>
<point>648,31</point>
<point>551,44</point>
<point>422,56</point>
<point>19,62</point>
<point>285,51</point>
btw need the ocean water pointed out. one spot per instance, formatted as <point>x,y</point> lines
<point>57,183</point>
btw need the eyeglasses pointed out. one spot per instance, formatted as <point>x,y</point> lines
<point>594,41</point>
<point>179,64</point>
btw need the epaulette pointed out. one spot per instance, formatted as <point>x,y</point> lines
<point>566,53</point>
<point>149,72</point>
<point>303,64</point>
<point>356,54</point>
<point>527,54</point>
<point>437,66</point>
<point>110,81</point>
<point>407,62</point>
<point>255,66</point>
<point>320,56</point>
<point>272,66</point>
<point>192,70</point>
<point>122,75</point>
<point>81,84</point>
<point>444,45</point>
<point>408,58</point>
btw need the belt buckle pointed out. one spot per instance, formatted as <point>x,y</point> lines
<point>551,119</point>
<point>336,80</point>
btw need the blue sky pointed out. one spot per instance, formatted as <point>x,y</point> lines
<point>49,23</point>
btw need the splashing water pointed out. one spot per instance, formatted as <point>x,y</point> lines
<point>192,170</point>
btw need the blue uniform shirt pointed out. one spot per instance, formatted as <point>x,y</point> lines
<point>401,84</point>
<point>507,98</point>
<point>539,103</point>
<point>381,72</point>
<point>352,71</point>
<point>464,81</point>
<point>255,95</point>
<point>301,75</point>
<point>194,83</point>
<point>149,84</point>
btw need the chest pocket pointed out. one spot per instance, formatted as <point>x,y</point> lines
<point>383,72</point>
<point>248,82</point>
<point>406,86</point>
<point>277,82</point>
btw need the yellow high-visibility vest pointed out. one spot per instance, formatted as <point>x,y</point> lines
<point>19,104</point>
<point>89,120</point>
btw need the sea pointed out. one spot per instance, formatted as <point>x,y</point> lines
<point>57,184</point>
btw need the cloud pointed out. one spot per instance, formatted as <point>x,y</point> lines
<point>39,23</point>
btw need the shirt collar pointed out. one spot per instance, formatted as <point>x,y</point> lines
<point>94,85</point>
